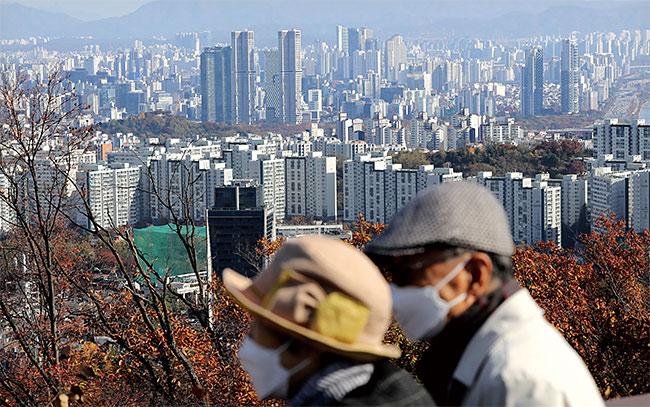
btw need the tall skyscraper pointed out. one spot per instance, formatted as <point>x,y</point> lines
<point>216,85</point>
<point>532,83</point>
<point>243,73</point>
<point>357,39</point>
<point>273,85</point>
<point>394,55</point>
<point>289,45</point>
<point>570,77</point>
<point>342,39</point>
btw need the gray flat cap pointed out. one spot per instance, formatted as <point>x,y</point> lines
<point>462,214</point>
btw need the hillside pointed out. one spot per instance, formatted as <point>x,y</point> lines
<point>165,125</point>
<point>555,158</point>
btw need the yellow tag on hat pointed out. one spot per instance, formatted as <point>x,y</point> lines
<point>340,317</point>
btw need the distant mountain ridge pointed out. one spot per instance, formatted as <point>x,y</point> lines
<point>318,19</point>
<point>18,21</point>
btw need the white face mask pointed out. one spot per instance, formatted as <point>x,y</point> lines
<point>263,365</point>
<point>420,311</point>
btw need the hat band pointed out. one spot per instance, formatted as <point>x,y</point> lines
<point>302,300</point>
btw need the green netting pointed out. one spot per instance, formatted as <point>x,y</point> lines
<point>163,247</point>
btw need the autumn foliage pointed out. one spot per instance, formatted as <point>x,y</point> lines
<point>598,297</point>
<point>85,318</point>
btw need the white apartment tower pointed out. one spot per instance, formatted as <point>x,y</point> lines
<point>376,188</point>
<point>574,199</point>
<point>608,193</point>
<point>639,201</point>
<point>342,39</point>
<point>394,56</point>
<point>622,140</point>
<point>112,192</point>
<point>534,207</point>
<point>187,182</point>
<point>268,171</point>
<point>311,186</point>
<point>7,214</point>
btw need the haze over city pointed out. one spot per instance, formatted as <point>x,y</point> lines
<point>247,202</point>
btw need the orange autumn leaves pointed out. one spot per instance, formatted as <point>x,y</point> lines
<point>598,297</point>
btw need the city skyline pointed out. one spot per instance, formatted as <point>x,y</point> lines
<point>154,155</point>
<point>476,18</point>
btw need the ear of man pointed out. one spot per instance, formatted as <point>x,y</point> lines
<point>480,268</point>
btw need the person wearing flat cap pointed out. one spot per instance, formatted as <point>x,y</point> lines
<point>448,252</point>
<point>321,310</point>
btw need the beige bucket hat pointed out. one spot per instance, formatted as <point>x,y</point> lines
<point>322,291</point>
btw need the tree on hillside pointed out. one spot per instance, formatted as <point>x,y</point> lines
<point>555,158</point>
<point>83,313</point>
<point>410,159</point>
<point>598,297</point>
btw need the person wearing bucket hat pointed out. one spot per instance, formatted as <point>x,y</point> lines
<point>321,310</point>
<point>448,253</point>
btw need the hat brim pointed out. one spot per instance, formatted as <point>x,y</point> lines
<point>236,284</point>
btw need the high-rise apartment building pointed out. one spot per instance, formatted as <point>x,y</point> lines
<point>500,131</point>
<point>534,207</point>
<point>622,189</point>
<point>608,194</point>
<point>639,200</point>
<point>342,39</point>
<point>268,171</point>
<point>315,104</point>
<point>186,184</point>
<point>622,140</point>
<point>216,85</point>
<point>112,193</point>
<point>570,77</point>
<point>311,186</point>
<point>243,74</point>
<point>532,83</point>
<point>545,213</point>
<point>290,48</point>
<point>574,200</point>
<point>377,189</point>
<point>7,210</point>
<point>394,55</point>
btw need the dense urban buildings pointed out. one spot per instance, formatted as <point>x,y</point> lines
<point>142,155</point>
<point>358,102</point>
